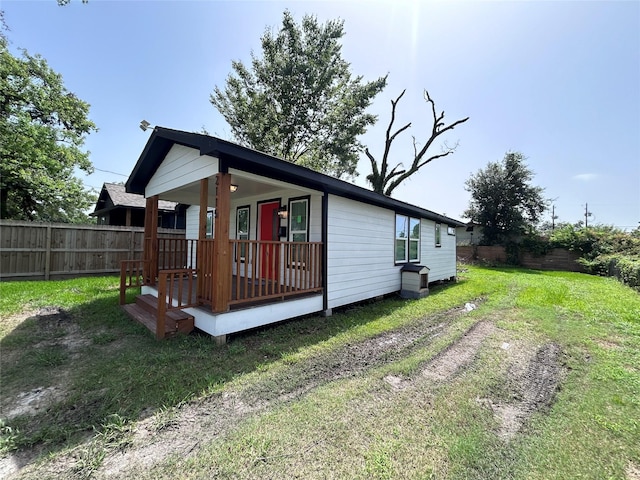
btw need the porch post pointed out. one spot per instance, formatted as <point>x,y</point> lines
<point>202,234</point>
<point>150,251</point>
<point>221,253</point>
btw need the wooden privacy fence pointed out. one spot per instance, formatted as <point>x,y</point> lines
<point>43,251</point>
<point>555,259</point>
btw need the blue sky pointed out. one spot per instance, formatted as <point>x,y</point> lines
<point>558,81</point>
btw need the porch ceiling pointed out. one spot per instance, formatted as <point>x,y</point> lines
<point>249,185</point>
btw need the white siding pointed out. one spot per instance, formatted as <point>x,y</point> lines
<point>360,252</point>
<point>192,219</point>
<point>315,212</point>
<point>440,260</point>
<point>180,167</point>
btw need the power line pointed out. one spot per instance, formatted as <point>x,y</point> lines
<point>109,171</point>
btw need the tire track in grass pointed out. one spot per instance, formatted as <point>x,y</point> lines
<point>532,390</point>
<point>446,364</point>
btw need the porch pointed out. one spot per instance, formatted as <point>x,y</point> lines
<point>182,278</point>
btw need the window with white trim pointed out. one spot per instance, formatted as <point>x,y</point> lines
<point>298,226</point>
<point>438,235</point>
<point>242,229</point>
<point>210,217</point>
<point>407,239</point>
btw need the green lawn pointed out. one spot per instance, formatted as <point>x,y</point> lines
<point>328,408</point>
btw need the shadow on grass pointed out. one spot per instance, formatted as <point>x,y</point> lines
<point>514,269</point>
<point>82,365</point>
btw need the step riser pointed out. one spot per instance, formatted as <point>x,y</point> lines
<point>148,303</point>
<point>145,311</point>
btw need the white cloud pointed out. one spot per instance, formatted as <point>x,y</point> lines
<point>586,177</point>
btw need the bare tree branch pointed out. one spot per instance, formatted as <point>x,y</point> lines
<point>383,182</point>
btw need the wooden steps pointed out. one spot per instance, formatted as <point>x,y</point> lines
<point>145,311</point>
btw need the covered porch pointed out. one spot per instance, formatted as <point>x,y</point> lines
<point>226,270</point>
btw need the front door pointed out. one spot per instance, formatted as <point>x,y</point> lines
<point>269,252</point>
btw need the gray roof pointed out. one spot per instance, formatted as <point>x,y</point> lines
<point>231,155</point>
<point>121,198</point>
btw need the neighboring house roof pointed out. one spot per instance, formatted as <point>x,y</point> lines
<point>471,225</point>
<point>232,155</point>
<point>114,195</point>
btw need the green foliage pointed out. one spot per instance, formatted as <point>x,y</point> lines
<point>604,250</point>
<point>536,244</point>
<point>503,201</point>
<point>595,241</point>
<point>624,268</point>
<point>513,251</point>
<point>43,127</point>
<point>9,437</point>
<point>298,101</point>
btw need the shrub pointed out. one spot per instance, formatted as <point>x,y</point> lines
<point>595,241</point>
<point>624,268</point>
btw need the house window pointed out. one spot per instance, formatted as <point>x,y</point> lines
<point>210,216</point>
<point>414,240</point>
<point>298,224</point>
<point>242,229</point>
<point>298,227</point>
<point>451,230</point>
<point>407,239</point>
<point>438,241</point>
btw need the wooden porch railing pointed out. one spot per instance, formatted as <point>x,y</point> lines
<point>263,270</point>
<point>176,253</point>
<point>206,274</point>
<point>260,270</point>
<point>132,275</point>
<point>175,291</point>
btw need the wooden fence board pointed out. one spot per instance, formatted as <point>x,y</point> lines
<point>31,251</point>
<point>556,259</point>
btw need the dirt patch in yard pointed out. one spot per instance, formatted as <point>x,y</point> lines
<point>633,471</point>
<point>59,330</point>
<point>31,402</point>
<point>451,360</point>
<point>532,383</point>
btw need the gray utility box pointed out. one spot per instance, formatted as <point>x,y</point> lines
<point>415,281</point>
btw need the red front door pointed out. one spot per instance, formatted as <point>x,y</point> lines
<point>269,252</point>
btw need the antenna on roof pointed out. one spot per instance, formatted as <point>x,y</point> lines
<point>144,125</point>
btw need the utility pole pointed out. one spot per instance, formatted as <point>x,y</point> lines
<point>553,217</point>
<point>587,214</point>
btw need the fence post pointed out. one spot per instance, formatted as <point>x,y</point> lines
<point>47,255</point>
<point>132,246</point>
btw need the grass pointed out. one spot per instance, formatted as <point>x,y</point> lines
<point>352,427</point>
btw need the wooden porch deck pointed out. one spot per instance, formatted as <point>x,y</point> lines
<point>266,285</point>
<point>266,272</point>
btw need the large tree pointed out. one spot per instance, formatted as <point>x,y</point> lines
<point>298,100</point>
<point>503,201</point>
<point>42,131</point>
<point>384,179</point>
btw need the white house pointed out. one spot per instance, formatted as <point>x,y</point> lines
<point>268,240</point>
